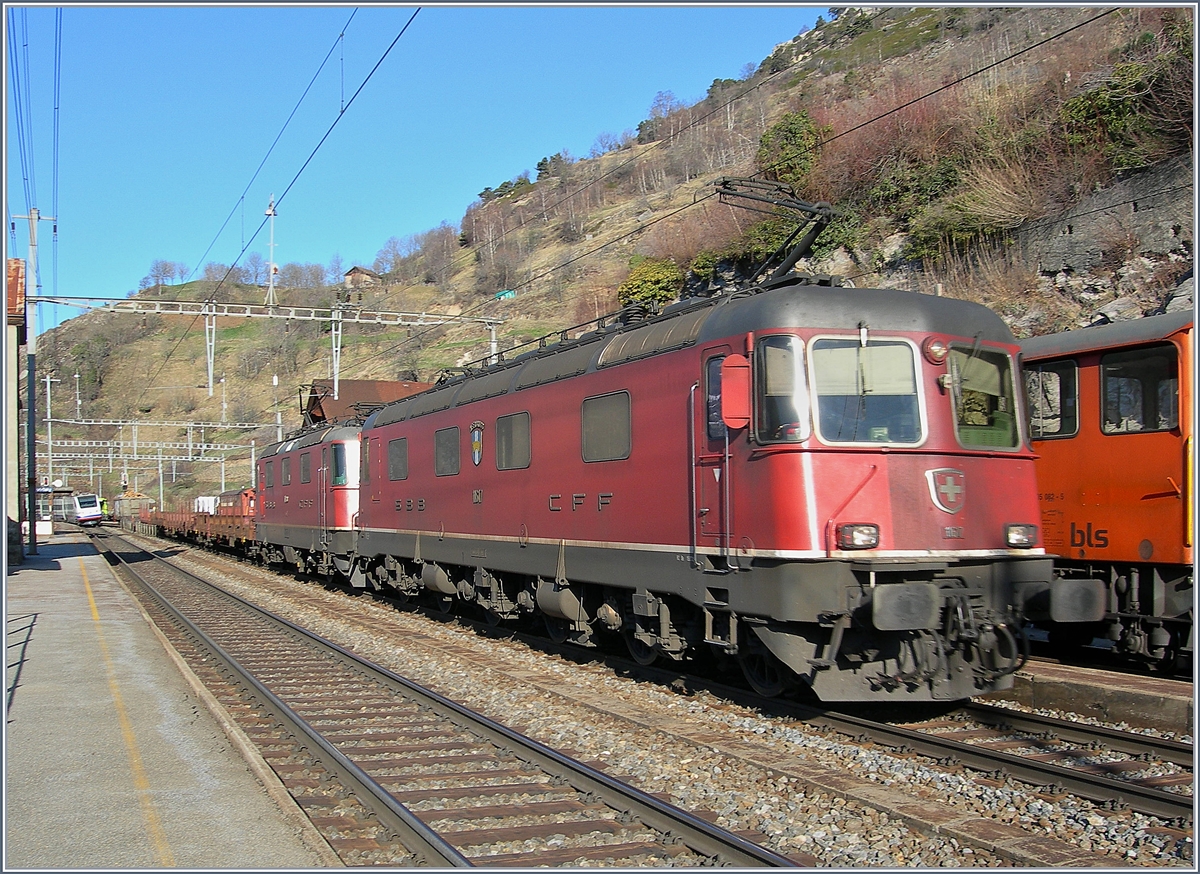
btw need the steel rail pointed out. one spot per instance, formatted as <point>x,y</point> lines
<point>1173,751</point>
<point>422,841</point>
<point>675,824</point>
<point>1098,789</point>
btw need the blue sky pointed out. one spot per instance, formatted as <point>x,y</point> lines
<point>165,114</point>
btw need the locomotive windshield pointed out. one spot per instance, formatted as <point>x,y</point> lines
<point>981,384</point>
<point>866,393</point>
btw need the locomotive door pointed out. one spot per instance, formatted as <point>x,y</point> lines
<point>323,497</point>
<point>1142,423</point>
<point>711,487</point>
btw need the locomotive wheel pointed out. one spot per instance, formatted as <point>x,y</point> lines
<point>642,653</point>
<point>558,629</point>
<point>766,674</point>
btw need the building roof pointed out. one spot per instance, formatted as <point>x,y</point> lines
<point>356,398</point>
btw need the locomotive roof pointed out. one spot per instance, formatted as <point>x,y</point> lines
<point>311,438</point>
<point>795,302</point>
<point>1109,336</point>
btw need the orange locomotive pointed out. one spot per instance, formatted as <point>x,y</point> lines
<point>1111,419</point>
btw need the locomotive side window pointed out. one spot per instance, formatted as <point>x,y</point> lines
<point>364,463</point>
<point>981,388</point>
<point>305,467</point>
<point>1052,390</point>
<point>512,442</point>
<point>1141,390</point>
<point>285,472</point>
<point>269,475</point>
<point>866,393</point>
<point>782,391</point>
<point>606,427</point>
<point>339,464</point>
<point>716,424</point>
<point>446,453</point>
<point>398,459</point>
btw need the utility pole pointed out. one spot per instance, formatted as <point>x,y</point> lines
<point>31,379</point>
<point>270,301</point>
<point>49,432</point>
<point>278,414</point>
<point>78,402</point>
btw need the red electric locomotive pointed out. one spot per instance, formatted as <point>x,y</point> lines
<point>831,485</point>
<point>1111,419</point>
<point>308,500</point>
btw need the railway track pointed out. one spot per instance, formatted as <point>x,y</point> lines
<point>394,774</point>
<point>1114,769</point>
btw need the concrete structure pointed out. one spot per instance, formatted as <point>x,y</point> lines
<point>1152,210</point>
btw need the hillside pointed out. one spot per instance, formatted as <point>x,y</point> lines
<point>961,147</point>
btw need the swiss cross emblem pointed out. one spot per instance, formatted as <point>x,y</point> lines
<point>947,487</point>
<point>476,442</point>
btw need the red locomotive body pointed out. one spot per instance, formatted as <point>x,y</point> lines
<point>831,484</point>
<point>308,500</point>
<point>1111,418</point>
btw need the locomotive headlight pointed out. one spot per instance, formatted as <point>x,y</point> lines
<point>1021,536</point>
<point>935,349</point>
<point>858,535</point>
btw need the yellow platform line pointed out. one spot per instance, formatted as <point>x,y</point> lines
<point>158,837</point>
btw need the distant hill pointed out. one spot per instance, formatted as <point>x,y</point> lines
<point>954,142</point>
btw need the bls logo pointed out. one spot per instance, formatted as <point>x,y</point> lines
<point>1097,539</point>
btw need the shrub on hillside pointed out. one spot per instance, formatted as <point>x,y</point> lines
<point>650,281</point>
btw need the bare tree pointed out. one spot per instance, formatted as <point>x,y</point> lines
<point>336,270</point>
<point>254,269</point>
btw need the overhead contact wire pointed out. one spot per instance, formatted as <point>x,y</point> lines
<point>263,223</point>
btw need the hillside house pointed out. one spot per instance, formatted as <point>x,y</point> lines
<point>361,277</point>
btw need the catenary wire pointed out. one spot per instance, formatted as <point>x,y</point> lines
<point>964,78</point>
<point>271,148</point>
<point>281,197</point>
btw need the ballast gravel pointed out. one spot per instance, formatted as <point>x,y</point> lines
<point>511,688</point>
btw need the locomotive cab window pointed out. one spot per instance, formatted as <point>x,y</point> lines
<point>866,392</point>
<point>1052,392</point>
<point>397,459</point>
<point>305,467</point>
<point>269,475</point>
<point>512,442</point>
<point>782,393</point>
<point>606,427</point>
<point>339,464</point>
<point>364,462</point>
<point>446,454</point>
<point>981,389</point>
<point>1140,390</point>
<point>285,472</point>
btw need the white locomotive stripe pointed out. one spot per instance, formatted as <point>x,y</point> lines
<point>810,501</point>
<point>852,555</point>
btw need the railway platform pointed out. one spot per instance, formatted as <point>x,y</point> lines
<point>1138,701</point>
<point>112,758</point>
